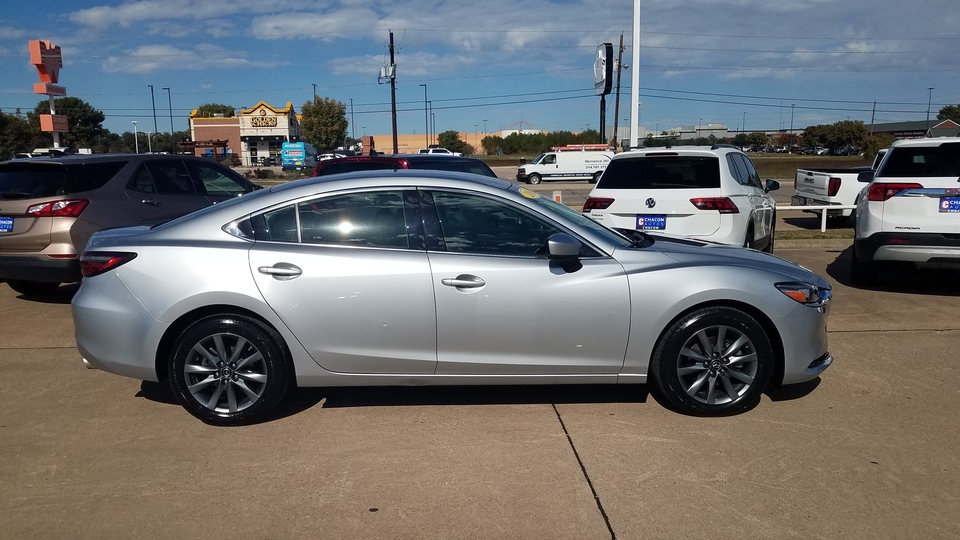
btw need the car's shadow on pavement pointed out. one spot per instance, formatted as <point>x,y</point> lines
<point>900,278</point>
<point>63,295</point>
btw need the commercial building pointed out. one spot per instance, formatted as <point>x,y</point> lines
<point>255,135</point>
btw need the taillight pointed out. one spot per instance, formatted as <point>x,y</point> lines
<point>722,204</point>
<point>597,203</point>
<point>97,262</point>
<point>833,186</point>
<point>70,208</point>
<point>882,191</point>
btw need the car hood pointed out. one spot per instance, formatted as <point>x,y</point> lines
<point>699,253</point>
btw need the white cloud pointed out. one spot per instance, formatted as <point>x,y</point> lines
<point>150,58</point>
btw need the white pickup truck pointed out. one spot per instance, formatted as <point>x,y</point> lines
<point>828,187</point>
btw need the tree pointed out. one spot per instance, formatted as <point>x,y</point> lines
<point>84,121</point>
<point>818,135</point>
<point>847,133</point>
<point>15,136</point>
<point>741,140</point>
<point>876,142</point>
<point>950,112</point>
<point>213,109</point>
<point>451,141</point>
<point>324,123</point>
<point>758,138</point>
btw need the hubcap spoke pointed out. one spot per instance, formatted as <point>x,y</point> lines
<point>728,386</point>
<point>697,384</point>
<point>690,353</point>
<point>736,346</point>
<point>225,373</point>
<point>745,359</point>
<point>740,376</point>
<point>717,365</point>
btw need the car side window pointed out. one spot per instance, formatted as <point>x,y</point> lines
<point>477,225</point>
<point>371,219</point>
<point>737,170</point>
<point>752,174</point>
<point>215,181</point>
<point>167,177</point>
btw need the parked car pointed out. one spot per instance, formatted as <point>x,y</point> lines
<point>438,151</point>
<point>433,277</point>
<point>49,207</point>
<point>909,212</point>
<point>567,163</point>
<point>401,161</point>
<point>830,187</point>
<point>708,193</point>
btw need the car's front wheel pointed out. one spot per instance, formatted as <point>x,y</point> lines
<point>596,177</point>
<point>34,288</point>
<point>228,370</point>
<point>533,179</point>
<point>713,361</point>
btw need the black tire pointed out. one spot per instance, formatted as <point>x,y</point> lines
<point>243,366</point>
<point>698,381</point>
<point>533,179</point>
<point>34,288</point>
<point>596,177</point>
<point>748,239</point>
<point>773,233</point>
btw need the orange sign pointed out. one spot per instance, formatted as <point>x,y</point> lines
<point>47,60</point>
<point>54,122</point>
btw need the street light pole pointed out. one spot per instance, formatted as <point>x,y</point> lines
<point>154,104</point>
<point>426,116</point>
<point>790,147</point>
<point>170,107</point>
<point>314,91</point>
<point>136,140</point>
<point>743,125</point>
<point>929,97</point>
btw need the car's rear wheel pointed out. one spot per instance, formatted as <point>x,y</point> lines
<point>596,177</point>
<point>228,370</point>
<point>533,179</point>
<point>34,288</point>
<point>713,361</point>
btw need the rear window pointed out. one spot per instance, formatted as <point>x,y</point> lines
<point>668,172</point>
<point>456,165</point>
<point>354,166</point>
<point>922,161</point>
<point>31,181</point>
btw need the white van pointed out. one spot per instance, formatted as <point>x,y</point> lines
<point>566,163</point>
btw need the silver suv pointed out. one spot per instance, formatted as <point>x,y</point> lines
<point>49,207</point>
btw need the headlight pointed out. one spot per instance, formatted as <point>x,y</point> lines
<point>806,294</point>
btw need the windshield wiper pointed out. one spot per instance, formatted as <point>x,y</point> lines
<point>638,239</point>
<point>11,195</point>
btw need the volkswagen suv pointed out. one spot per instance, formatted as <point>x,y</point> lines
<point>49,207</point>
<point>707,193</point>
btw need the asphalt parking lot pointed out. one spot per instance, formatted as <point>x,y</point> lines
<point>867,451</point>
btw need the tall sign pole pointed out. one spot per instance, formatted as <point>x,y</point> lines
<point>616,107</point>
<point>47,59</point>
<point>635,80</point>
<point>393,94</point>
<point>602,82</point>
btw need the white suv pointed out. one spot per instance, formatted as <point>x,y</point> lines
<point>707,193</point>
<point>910,211</point>
<point>440,151</point>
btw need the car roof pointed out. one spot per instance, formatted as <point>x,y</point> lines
<point>393,158</point>
<point>93,158</point>
<point>714,150</point>
<point>387,177</point>
<point>928,141</point>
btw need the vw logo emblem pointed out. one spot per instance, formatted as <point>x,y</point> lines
<point>651,202</point>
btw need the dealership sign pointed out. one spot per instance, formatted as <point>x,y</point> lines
<point>47,59</point>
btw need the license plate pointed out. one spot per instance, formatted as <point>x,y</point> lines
<point>651,222</point>
<point>6,224</point>
<point>950,204</point>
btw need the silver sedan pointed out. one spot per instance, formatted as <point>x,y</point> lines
<point>419,277</point>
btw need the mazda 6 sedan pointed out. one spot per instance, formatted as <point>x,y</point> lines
<point>426,277</point>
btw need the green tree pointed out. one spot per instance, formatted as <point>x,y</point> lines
<point>741,140</point>
<point>874,143</point>
<point>85,122</point>
<point>950,112</point>
<point>15,136</point>
<point>758,138</point>
<point>451,141</point>
<point>324,123</point>
<point>818,135</point>
<point>847,133</point>
<point>208,110</point>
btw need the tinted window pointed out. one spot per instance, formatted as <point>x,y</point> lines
<point>738,170</point>
<point>371,219</point>
<point>92,176</point>
<point>215,180</point>
<point>19,181</point>
<point>922,161</point>
<point>168,177</point>
<point>751,171</point>
<point>451,164</point>
<point>353,166</point>
<point>668,172</point>
<point>474,224</point>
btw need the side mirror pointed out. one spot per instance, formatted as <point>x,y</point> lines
<point>865,177</point>
<point>563,246</point>
<point>772,185</point>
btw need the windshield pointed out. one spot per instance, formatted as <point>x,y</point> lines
<point>553,207</point>
<point>538,159</point>
<point>32,181</point>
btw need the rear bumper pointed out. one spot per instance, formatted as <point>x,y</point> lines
<point>40,268</point>
<point>909,247</point>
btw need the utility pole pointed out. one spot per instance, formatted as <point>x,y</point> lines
<point>154,104</point>
<point>616,106</point>
<point>393,95</point>
<point>872,116</point>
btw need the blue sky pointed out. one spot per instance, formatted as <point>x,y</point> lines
<point>495,64</point>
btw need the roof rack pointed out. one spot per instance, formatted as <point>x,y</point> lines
<point>723,145</point>
<point>579,147</point>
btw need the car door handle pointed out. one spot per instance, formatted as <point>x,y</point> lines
<point>281,271</point>
<point>464,281</point>
<point>151,202</point>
